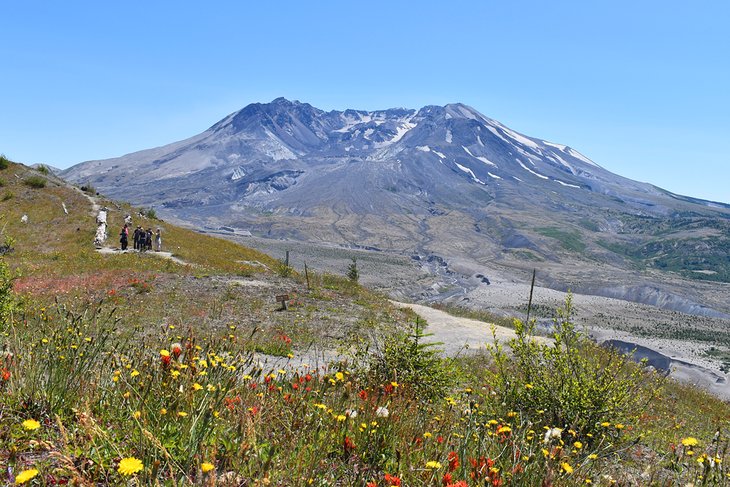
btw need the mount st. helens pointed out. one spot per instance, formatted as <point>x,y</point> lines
<point>441,182</point>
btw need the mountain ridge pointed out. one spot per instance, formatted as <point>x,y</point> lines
<point>440,180</point>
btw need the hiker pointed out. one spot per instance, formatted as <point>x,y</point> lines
<point>148,239</point>
<point>158,241</point>
<point>124,237</point>
<point>137,234</point>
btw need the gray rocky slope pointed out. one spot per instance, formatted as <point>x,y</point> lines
<point>442,183</point>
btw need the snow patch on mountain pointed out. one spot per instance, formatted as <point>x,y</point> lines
<point>531,171</point>
<point>470,172</point>
<point>580,156</point>
<point>566,184</point>
<point>238,173</point>
<point>480,158</point>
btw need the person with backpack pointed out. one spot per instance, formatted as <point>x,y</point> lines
<point>124,237</point>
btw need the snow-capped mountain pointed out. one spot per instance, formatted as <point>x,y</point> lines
<point>444,180</point>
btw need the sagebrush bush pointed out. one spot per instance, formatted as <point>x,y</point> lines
<point>4,162</point>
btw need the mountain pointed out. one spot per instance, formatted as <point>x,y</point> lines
<point>439,182</point>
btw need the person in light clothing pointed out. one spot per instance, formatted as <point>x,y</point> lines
<point>158,240</point>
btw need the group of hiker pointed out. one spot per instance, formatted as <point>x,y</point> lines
<point>142,238</point>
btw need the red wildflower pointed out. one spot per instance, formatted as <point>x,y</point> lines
<point>453,459</point>
<point>392,480</point>
<point>439,439</point>
<point>363,395</point>
<point>308,377</point>
<point>349,445</point>
<point>4,374</point>
<point>460,483</point>
<point>176,350</point>
<point>371,484</point>
<point>446,481</point>
<point>295,386</point>
<point>389,388</point>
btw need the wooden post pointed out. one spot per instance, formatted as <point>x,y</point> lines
<point>306,274</point>
<point>282,298</point>
<point>529,303</point>
<point>287,258</point>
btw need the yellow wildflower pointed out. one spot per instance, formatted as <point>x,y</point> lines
<point>197,386</point>
<point>25,476</point>
<point>130,466</point>
<point>206,467</point>
<point>433,464</point>
<point>340,376</point>
<point>31,424</point>
<point>566,467</point>
<point>690,441</point>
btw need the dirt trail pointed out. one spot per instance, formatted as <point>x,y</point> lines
<point>107,250</point>
<point>458,333</point>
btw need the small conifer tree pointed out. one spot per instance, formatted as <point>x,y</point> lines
<point>352,273</point>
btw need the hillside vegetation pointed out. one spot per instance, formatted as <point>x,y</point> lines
<point>130,369</point>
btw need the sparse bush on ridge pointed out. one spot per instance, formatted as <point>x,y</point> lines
<point>4,162</point>
<point>36,182</point>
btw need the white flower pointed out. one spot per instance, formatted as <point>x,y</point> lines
<point>351,413</point>
<point>382,412</point>
<point>552,433</point>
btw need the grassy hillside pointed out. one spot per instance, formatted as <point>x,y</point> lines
<point>130,369</point>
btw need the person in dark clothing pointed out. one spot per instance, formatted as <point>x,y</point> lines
<point>137,232</point>
<point>148,239</point>
<point>124,237</point>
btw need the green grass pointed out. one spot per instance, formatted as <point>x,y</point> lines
<point>569,240</point>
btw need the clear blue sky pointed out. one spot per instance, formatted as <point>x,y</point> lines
<point>640,87</point>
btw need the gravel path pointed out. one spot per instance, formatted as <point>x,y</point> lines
<point>457,334</point>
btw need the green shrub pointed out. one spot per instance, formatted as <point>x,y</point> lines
<point>36,182</point>
<point>4,162</point>
<point>43,169</point>
<point>572,383</point>
<point>352,273</point>
<point>3,182</point>
<point>89,189</point>
<point>404,358</point>
<point>8,195</point>
<point>151,213</point>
